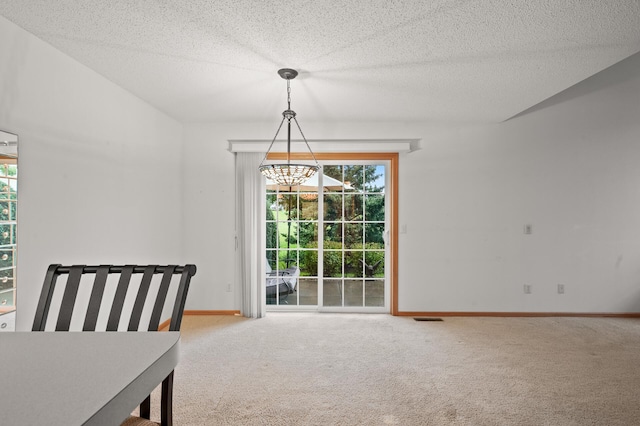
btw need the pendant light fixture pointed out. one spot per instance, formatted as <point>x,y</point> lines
<point>288,174</point>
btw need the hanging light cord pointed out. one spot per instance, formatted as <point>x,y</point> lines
<point>288,115</point>
<point>305,141</point>
<point>272,141</point>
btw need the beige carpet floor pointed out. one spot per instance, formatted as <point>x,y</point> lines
<point>349,369</point>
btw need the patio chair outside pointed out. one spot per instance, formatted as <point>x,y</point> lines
<point>281,284</point>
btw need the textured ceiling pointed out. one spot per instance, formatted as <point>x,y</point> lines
<point>360,60</point>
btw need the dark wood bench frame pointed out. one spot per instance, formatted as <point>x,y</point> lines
<point>125,272</point>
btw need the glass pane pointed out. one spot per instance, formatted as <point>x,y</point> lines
<point>308,291</point>
<point>333,233</point>
<point>278,212</point>
<point>290,204</point>
<point>6,258</point>
<point>289,298</point>
<point>374,178</point>
<point>374,208</point>
<point>277,292</point>
<point>374,264</point>
<point>272,204</point>
<point>272,214</point>
<point>288,234</point>
<point>272,235</point>
<point>6,279</point>
<point>353,266</point>
<point>308,234</point>
<point>287,259</point>
<point>272,259</point>
<point>7,294</point>
<point>4,210</point>
<point>332,292</point>
<point>374,293</point>
<point>353,237</point>
<point>14,234</point>
<point>332,266</point>
<point>353,177</point>
<point>374,234</point>
<point>283,292</point>
<point>353,292</point>
<point>281,287</point>
<point>308,263</point>
<point>333,171</point>
<point>308,206</point>
<point>5,234</point>
<point>353,207</point>
<point>333,207</point>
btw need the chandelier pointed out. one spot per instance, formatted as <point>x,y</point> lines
<point>288,174</point>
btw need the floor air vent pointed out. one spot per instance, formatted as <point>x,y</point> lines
<point>428,319</point>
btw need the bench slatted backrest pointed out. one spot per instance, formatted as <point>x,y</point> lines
<point>101,273</point>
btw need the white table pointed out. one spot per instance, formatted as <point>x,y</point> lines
<point>80,378</point>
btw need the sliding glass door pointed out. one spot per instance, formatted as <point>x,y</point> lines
<point>327,240</point>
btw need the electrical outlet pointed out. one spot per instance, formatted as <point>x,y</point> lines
<point>560,288</point>
<point>528,229</point>
<point>527,289</point>
<point>229,287</point>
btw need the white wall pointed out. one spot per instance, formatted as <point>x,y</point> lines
<point>99,170</point>
<point>568,167</point>
<point>209,220</point>
<point>103,178</point>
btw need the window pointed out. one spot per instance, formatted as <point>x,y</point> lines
<point>332,235</point>
<point>8,231</point>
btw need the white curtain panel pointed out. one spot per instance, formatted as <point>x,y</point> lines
<point>250,233</point>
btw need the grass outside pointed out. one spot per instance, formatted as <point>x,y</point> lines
<point>286,228</point>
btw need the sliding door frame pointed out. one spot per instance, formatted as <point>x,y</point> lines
<point>392,158</point>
